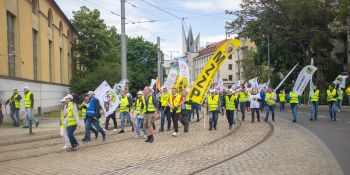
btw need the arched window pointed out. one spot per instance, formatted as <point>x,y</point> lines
<point>49,18</point>
<point>34,6</point>
<point>68,34</point>
<point>60,28</point>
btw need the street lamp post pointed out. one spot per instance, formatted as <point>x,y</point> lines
<point>123,43</point>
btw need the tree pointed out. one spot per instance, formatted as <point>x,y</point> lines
<point>250,60</point>
<point>99,55</point>
<point>297,29</point>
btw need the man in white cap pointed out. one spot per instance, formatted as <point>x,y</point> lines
<point>70,121</point>
<point>213,103</point>
<point>28,108</point>
<point>15,104</point>
<point>140,110</point>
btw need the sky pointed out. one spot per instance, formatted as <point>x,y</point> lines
<point>206,17</point>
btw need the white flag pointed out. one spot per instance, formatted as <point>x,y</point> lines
<point>153,82</point>
<point>171,79</point>
<point>183,68</point>
<point>303,79</point>
<point>284,79</point>
<point>107,97</point>
<point>253,82</point>
<point>341,79</point>
<point>220,85</point>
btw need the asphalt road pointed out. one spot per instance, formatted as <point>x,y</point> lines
<point>335,134</point>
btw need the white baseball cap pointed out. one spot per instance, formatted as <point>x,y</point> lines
<point>90,93</point>
<point>139,93</point>
<point>26,87</point>
<point>66,97</point>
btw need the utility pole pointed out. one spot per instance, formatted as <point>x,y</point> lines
<point>123,43</point>
<point>160,73</point>
<point>268,55</point>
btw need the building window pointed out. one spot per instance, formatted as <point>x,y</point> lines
<point>230,67</point>
<point>49,18</point>
<point>230,78</point>
<point>35,54</point>
<point>60,29</point>
<point>34,6</point>
<point>11,44</point>
<point>51,66</point>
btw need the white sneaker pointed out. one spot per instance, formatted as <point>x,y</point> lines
<point>144,136</point>
<point>115,130</point>
<point>137,137</point>
<point>64,147</point>
<point>174,134</point>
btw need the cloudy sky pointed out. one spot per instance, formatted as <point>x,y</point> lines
<point>206,17</point>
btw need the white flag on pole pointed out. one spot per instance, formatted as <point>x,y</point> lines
<point>107,97</point>
<point>284,79</point>
<point>341,79</point>
<point>183,68</point>
<point>303,79</point>
<point>253,82</point>
<point>171,79</point>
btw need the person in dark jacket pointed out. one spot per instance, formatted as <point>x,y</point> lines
<point>15,104</point>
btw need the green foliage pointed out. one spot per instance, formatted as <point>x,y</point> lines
<point>99,55</point>
<point>298,30</point>
<point>250,61</point>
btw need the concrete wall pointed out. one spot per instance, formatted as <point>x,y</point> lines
<point>46,96</point>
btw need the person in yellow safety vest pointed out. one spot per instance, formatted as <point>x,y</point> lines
<point>282,99</point>
<point>213,103</point>
<point>230,103</point>
<point>314,104</point>
<point>63,130</point>
<point>28,108</point>
<point>332,99</point>
<point>140,110</point>
<point>124,108</point>
<point>293,99</point>
<point>340,93</point>
<point>15,105</point>
<point>70,121</point>
<point>186,110</point>
<point>243,98</point>
<point>347,92</point>
<point>165,110</point>
<point>83,107</point>
<point>271,99</point>
<point>175,102</point>
<point>151,112</point>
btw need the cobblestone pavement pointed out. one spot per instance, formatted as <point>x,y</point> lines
<point>289,150</point>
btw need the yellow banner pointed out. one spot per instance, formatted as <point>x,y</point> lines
<point>202,84</point>
<point>181,83</point>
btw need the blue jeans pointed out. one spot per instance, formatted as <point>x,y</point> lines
<point>282,106</point>
<point>124,115</point>
<point>89,122</point>
<point>70,133</point>
<point>272,109</point>
<point>314,110</point>
<point>294,107</point>
<point>29,116</point>
<point>339,104</point>
<point>195,110</point>
<point>14,114</point>
<point>165,114</point>
<point>139,126</point>
<point>213,119</point>
<point>332,110</point>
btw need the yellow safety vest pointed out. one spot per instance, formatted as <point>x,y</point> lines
<point>230,102</point>
<point>71,118</point>
<point>282,97</point>
<point>270,98</point>
<point>331,95</point>
<point>340,95</point>
<point>315,96</point>
<point>213,103</point>
<point>243,97</point>
<point>139,110</point>
<point>27,101</point>
<point>124,102</point>
<point>83,110</point>
<point>164,99</point>
<point>188,106</point>
<point>17,102</point>
<point>150,107</point>
<point>347,91</point>
<point>293,98</point>
<point>174,102</point>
